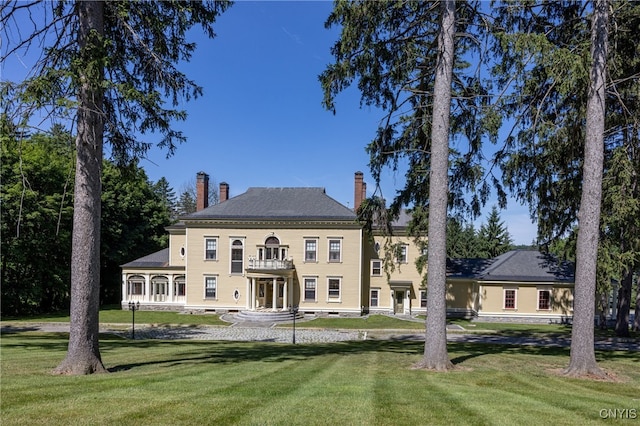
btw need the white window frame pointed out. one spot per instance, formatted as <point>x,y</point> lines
<point>377,298</point>
<point>231,261</point>
<point>315,252</point>
<point>337,298</point>
<point>539,292</point>
<point>215,287</point>
<point>217,248</point>
<point>379,268</point>
<point>515,298</point>
<point>180,281</point>
<point>403,255</point>
<point>329,251</point>
<point>315,289</point>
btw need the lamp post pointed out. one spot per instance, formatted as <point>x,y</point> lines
<point>133,307</point>
<point>294,311</point>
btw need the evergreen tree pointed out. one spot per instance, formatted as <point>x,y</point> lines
<point>168,196</point>
<point>134,217</point>
<point>405,59</point>
<point>186,204</point>
<point>494,238</point>
<point>112,64</point>
<point>35,218</point>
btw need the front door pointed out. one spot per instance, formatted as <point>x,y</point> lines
<point>398,306</point>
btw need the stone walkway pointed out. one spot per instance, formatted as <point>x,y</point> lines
<point>268,333</point>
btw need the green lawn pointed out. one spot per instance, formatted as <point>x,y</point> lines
<point>115,315</point>
<point>355,383</point>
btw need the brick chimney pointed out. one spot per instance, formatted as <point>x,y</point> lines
<point>202,191</point>
<point>224,191</point>
<point>359,191</point>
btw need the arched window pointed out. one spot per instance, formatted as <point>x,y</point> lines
<point>237,254</point>
<point>159,288</point>
<point>135,285</point>
<point>272,248</point>
<point>179,287</point>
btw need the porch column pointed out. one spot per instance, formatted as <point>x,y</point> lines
<point>170,288</point>
<point>248,293</point>
<point>274,296</point>
<point>252,295</point>
<point>147,288</point>
<point>285,299</point>
<point>125,288</point>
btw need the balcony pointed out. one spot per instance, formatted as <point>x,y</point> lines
<point>270,264</point>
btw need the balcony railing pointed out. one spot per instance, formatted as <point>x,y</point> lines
<point>271,264</point>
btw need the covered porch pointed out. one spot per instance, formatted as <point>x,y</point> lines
<point>270,285</point>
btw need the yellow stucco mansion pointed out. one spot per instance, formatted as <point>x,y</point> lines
<point>272,249</point>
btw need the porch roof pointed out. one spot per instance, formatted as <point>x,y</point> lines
<point>158,259</point>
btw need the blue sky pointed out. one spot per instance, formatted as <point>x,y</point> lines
<point>260,121</point>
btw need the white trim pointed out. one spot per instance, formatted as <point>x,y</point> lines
<point>303,298</point>
<point>304,249</point>
<point>339,298</point>
<point>340,240</point>
<point>217,249</point>
<point>380,268</point>
<point>204,288</point>
<point>515,298</point>
<point>244,246</point>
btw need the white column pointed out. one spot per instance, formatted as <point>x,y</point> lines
<point>274,296</point>
<point>125,293</point>
<point>147,288</point>
<point>253,294</point>
<point>407,305</point>
<point>171,289</point>
<point>285,298</point>
<point>248,294</point>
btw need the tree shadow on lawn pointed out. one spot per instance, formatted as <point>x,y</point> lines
<point>225,352</point>
<point>183,352</point>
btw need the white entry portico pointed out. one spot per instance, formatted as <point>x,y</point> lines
<point>269,291</point>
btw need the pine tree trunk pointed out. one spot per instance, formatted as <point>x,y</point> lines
<point>435,345</point>
<point>582,360</point>
<point>83,355</point>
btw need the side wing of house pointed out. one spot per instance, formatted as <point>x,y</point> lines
<point>526,286</point>
<point>154,282</point>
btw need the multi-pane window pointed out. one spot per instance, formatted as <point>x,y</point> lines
<point>423,298</point>
<point>237,253</point>
<point>376,268</point>
<point>334,288</point>
<point>510,299</point>
<point>211,248</point>
<point>544,300</point>
<point>401,253</point>
<point>334,250</point>
<point>374,300</point>
<point>210,287</point>
<point>310,250</point>
<point>310,289</point>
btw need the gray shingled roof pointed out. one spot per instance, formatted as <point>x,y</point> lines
<point>278,203</point>
<point>515,265</point>
<point>154,260</point>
